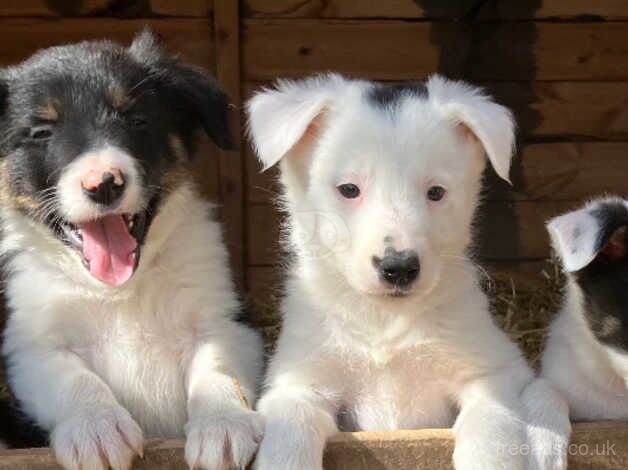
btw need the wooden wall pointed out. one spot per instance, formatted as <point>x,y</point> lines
<point>561,65</point>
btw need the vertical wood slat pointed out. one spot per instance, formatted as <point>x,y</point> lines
<point>227,45</point>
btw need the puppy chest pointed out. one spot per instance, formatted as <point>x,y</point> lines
<point>410,391</point>
<point>144,366</point>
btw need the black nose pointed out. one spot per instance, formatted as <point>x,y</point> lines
<point>398,268</point>
<point>108,191</point>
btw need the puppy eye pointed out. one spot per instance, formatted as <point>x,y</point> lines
<point>436,193</point>
<point>40,133</point>
<point>349,190</point>
<point>136,121</point>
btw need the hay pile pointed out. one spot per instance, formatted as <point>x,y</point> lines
<point>524,311</point>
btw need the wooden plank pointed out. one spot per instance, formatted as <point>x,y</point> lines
<point>603,446</point>
<point>189,37</point>
<point>226,24</point>
<point>496,9</point>
<point>507,231</point>
<point>102,8</point>
<point>396,50</point>
<point>567,171</point>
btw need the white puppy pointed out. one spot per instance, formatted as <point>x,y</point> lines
<point>122,307</point>
<point>587,351</point>
<point>384,324</point>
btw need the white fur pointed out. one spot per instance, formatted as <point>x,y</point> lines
<point>593,377</point>
<point>102,366</point>
<point>349,355</point>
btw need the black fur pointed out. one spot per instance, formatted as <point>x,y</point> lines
<point>388,95</point>
<point>17,431</point>
<point>604,282</point>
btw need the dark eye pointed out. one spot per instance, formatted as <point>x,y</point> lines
<point>40,133</point>
<point>136,121</point>
<point>349,190</point>
<point>436,193</point>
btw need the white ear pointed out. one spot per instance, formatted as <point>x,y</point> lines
<point>491,123</point>
<point>280,117</point>
<point>575,238</point>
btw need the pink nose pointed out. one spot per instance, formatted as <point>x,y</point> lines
<point>103,187</point>
<point>94,178</point>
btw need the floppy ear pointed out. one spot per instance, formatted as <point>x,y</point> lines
<point>201,96</point>
<point>191,91</point>
<point>492,124</point>
<point>581,236</point>
<point>283,118</point>
<point>574,237</point>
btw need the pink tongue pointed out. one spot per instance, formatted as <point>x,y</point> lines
<point>108,247</point>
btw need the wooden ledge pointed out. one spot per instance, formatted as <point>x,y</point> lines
<point>600,446</point>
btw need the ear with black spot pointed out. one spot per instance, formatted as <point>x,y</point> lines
<point>596,230</point>
<point>201,96</point>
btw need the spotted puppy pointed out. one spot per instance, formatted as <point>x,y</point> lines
<point>384,324</point>
<point>122,308</point>
<point>587,350</point>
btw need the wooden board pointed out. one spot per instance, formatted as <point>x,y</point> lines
<point>191,38</point>
<point>566,171</point>
<point>602,446</point>
<point>396,50</point>
<point>124,8</point>
<point>226,23</point>
<point>496,9</point>
<point>507,231</point>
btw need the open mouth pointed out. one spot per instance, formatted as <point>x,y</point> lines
<point>109,246</point>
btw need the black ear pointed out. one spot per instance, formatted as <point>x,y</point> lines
<point>192,92</point>
<point>200,95</point>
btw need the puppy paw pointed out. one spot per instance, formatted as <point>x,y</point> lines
<point>222,442</point>
<point>97,439</point>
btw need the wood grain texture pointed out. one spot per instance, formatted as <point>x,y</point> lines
<point>190,38</point>
<point>226,24</point>
<point>116,8</point>
<point>600,446</point>
<point>439,9</point>
<point>396,50</point>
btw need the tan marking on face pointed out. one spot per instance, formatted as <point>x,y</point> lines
<point>49,111</point>
<point>10,199</point>
<point>178,148</point>
<point>175,177</point>
<point>118,97</point>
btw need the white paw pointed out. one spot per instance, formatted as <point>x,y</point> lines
<point>548,449</point>
<point>222,442</point>
<point>97,440</point>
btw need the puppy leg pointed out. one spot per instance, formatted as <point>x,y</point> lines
<point>547,426</point>
<point>223,431</point>
<point>490,433</point>
<point>298,423</point>
<point>90,430</point>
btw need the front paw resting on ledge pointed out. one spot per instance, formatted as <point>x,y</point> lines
<point>223,441</point>
<point>97,439</point>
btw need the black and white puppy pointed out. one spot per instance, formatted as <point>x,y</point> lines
<point>587,351</point>
<point>122,307</point>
